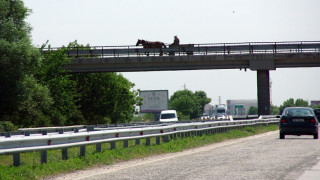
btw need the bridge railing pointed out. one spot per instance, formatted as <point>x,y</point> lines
<point>194,49</point>
<point>15,145</point>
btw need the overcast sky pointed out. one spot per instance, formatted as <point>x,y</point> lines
<point>122,22</point>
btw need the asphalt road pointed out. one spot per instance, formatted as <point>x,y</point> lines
<point>258,157</point>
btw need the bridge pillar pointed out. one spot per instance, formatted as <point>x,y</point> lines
<point>263,92</point>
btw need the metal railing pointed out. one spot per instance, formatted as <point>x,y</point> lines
<point>17,144</point>
<point>194,49</point>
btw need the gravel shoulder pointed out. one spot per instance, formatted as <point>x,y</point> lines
<point>104,171</point>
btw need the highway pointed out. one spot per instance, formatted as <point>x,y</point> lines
<point>258,157</point>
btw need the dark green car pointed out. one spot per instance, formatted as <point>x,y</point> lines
<point>317,113</point>
<point>298,121</point>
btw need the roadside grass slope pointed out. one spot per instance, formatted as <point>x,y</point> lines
<point>31,168</point>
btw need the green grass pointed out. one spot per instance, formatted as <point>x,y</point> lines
<point>31,168</point>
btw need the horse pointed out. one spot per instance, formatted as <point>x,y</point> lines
<point>151,44</point>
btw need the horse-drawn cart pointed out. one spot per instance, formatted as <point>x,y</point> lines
<point>181,49</point>
<point>159,47</point>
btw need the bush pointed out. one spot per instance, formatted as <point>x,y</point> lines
<point>183,117</point>
<point>7,126</point>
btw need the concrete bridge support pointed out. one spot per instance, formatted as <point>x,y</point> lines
<point>263,92</point>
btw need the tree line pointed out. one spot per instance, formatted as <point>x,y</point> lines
<point>275,110</point>
<point>35,90</point>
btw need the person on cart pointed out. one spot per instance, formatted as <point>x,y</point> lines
<point>176,40</point>
<point>175,44</point>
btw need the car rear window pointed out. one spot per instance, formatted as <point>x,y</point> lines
<point>298,112</point>
<point>168,116</point>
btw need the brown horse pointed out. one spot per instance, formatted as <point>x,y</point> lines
<point>151,44</point>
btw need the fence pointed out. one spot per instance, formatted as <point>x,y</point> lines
<point>193,49</point>
<point>17,144</point>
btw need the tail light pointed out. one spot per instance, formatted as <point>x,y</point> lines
<point>313,121</point>
<point>283,120</point>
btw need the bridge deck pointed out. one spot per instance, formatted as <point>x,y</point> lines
<point>254,55</point>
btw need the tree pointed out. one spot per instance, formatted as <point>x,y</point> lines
<point>106,97</point>
<point>201,99</point>
<point>301,103</point>
<point>291,103</point>
<point>182,101</point>
<point>65,109</point>
<point>35,90</point>
<point>18,62</point>
<point>274,110</point>
<point>189,103</point>
<point>253,110</point>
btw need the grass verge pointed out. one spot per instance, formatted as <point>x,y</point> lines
<point>32,169</point>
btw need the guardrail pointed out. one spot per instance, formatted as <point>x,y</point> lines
<point>193,49</point>
<point>15,145</point>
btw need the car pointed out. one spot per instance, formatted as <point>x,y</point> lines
<point>168,116</point>
<point>298,121</point>
<point>317,112</point>
<point>221,117</point>
<point>205,116</point>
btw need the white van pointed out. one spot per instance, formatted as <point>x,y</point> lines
<point>168,116</point>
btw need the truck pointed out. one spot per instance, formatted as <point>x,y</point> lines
<point>220,112</point>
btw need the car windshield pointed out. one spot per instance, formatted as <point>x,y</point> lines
<point>298,112</point>
<point>168,116</point>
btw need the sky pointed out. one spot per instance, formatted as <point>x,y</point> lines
<point>122,22</point>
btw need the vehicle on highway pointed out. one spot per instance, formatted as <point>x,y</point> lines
<point>220,112</point>
<point>205,116</point>
<point>298,121</point>
<point>317,113</point>
<point>221,117</point>
<point>168,116</point>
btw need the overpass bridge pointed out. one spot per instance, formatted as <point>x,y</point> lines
<point>258,56</point>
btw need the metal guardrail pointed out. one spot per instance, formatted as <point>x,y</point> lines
<point>194,49</point>
<point>15,145</point>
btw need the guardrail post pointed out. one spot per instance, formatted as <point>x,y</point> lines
<point>147,141</point>
<point>27,133</point>
<point>60,131</point>
<point>83,150</point>
<point>158,140</point>
<point>44,132</point>
<point>43,156</point>
<point>125,143</point>
<point>112,145</point>
<point>171,136</point>
<point>182,135</point>
<point>137,141</point>
<point>98,147</point>
<point>64,152</point>
<point>165,138</point>
<point>16,159</point>
<point>8,134</point>
<point>175,136</point>
<point>76,130</point>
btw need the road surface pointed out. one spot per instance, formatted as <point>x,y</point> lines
<point>262,156</point>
